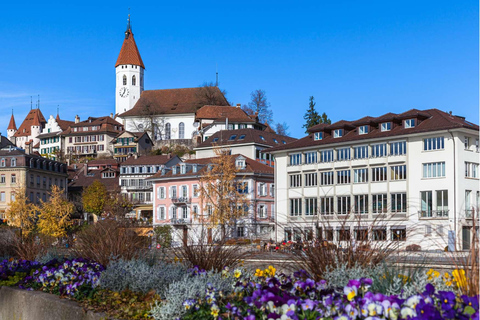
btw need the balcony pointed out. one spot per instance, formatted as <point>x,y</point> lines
<point>144,187</point>
<point>180,221</point>
<point>181,201</point>
<point>436,214</point>
<point>470,213</point>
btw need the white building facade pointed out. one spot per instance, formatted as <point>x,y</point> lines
<point>410,178</point>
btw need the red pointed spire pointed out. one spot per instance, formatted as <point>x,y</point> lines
<point>12,125</point>
<point>129,53</point>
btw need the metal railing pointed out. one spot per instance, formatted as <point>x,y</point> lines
<point>433,214</point>
<point>181,200</point>
<point>181,221</point>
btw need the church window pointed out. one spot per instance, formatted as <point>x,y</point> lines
<point>134,81</point>
<point>124,80</point>
<point>167,131</point>
<point>181,131</point>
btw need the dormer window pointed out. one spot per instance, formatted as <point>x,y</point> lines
<point>386,126</point>
<point>183,169</point>
<point>215,139</point>
<point>283,141</point>
<point>337,133</point>
<point>241,137</point>
<point>363,130</point>
<point>275,140</point>
<point>409,123</point>
<point>318,136</point>
<point>232,137</point>
<point>194,168</point>
<point>240,163</point>
<point>261,137</point>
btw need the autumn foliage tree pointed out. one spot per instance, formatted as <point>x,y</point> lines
<point>22,212</point>
<point>94,198</point>
<point>222,201</point>
<point>54,214</point>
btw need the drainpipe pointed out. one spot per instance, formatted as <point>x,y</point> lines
<point>454,192</point>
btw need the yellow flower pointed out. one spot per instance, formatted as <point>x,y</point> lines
<point>237,273</point>
<point>214,311</point>
<point>351,295</point>
<point>405,278</point>
<point>258,273</point>
<point>459,277</point>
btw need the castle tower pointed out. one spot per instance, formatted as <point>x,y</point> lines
<point>12,128</point>
<point>129,74</point>
<point>36,128</point>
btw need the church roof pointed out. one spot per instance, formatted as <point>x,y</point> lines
<point>33,118</point>
<point>220,113</point>
<point>129,53</point>
<point>175,101</point>
<point>12,125</point>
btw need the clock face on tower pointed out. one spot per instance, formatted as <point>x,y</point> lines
<point>123,92</point>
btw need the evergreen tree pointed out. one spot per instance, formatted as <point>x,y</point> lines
<point>312,117</point>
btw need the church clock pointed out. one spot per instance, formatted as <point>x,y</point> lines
<point>123,92</point>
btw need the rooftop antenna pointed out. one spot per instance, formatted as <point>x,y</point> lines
<point>38,106</point>
<point>216,75</point>
<point>57,110</point>
<point>31,102</point>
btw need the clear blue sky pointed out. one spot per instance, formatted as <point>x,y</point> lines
<point>356,58</point>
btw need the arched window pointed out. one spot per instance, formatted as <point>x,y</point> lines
<point>124,80</point>
<point>167,131</point>
<point>134,81</point>
<point>181,131</point>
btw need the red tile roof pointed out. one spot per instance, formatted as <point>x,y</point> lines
<point>129,53</point>
<point>11,124</point>
<point>34,117</point>
<point>105,124</point>
<point>221,113</point>
<point>173,101</point>
<point>430,120</point>
<point>223,138</point>
<point>147,160</point>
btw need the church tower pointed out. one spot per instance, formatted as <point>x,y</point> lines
<point>11,130</point>
<point>129,74</point>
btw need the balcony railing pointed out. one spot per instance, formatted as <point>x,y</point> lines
<point>180,221</point>
<point>182,200</point>
<point>144,187</point>
<point>433,214</point>
<point>469,213</point>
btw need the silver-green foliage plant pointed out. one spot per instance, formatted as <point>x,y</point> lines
<point>140,276</point>
<point>338,277</point>
<point>53,253</point>
<point>189,287</point>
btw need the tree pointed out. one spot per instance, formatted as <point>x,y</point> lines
<point>312,117</point>
<point>22,213</point>
<point>222,200</point>
<point>259,103</point>
<point>210,94</point>
<point>150,121</point>
<point>118,204</point>
<point>54,215</point>
<point>94,198</point>
<point>282,129</point>
<point>163,236</point>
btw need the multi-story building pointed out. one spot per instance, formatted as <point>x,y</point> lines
<point>249,142</point>
<point>52,143</point>
<point>133,174</point>
<point>177,201</point>
<point>412,176</point>
<point>30,171</point>
<point>91,137</point>
<point>27,134</point>
<point>127,144</point>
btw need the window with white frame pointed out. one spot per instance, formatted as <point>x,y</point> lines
<point>295,159</point>
<point>310,157</point>
<point>161,193</point>
<point>3,162</point>
<point>436,143</point>
<point>195,190</point>
<point>426,203</point>
<point>173,192</point>
<point>296,207</point>
<point>360,152</point>
<point>379,174</point>
<point>13,162</point>
<point>434,170</point>
<point>343,205</point>
<point>184,191</point>
<point>361,204</point>
<point>379,150</point>
<point>310,206</point>
<point>399,202</point>
<point>272,190</point>
<point>242,187</point>
<point>442,203</point>
<point>173,213</point>
<point>467,143</point>
<point>386,126</point>
<point>398,172</point>
<point>379,203</point>
<point>326,156</point>
<point>318,136</point>
<point>311,179</point>
<point>337,133</point>
<point>398,148</point>
<point>326,205</point>
<point>343,154</point>
<point>326,178</point>
<point>161,213</point>
<point>471,170</point>
<point>262,211</point>
<point>476,148</point>
<point>343,177</point>
<point>195,210</point>
<point>409,123</point>
<point>360,175</point>
<point>185,212</point>
<point>262,189</point>
<point>295,180</point>
<point>363,130</point>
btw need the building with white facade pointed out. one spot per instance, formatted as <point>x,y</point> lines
<point>415,172</point>
<point>28,132</point>
<point>52,143</point>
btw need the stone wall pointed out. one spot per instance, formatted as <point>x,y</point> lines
<point>17,304</point>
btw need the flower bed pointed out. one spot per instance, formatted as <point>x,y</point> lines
<point>235,294</point>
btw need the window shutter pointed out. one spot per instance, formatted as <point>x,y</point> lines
<point>258,188</point>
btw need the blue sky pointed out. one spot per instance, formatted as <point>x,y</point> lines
<point>356,58</point>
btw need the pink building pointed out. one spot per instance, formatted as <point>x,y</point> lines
<point>177,202</point>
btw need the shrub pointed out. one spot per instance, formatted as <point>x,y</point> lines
<point>53,253</point>
<point>138,276</point>
<point>108,239</point>
<point>338,277</point>
<point>413,247</point>
<point>186,288</point>
<point>7,242</point>
<point>30,246</point>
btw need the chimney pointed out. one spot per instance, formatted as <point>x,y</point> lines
<point>77,119</point>
<point>85,171</point>
<point>111,115</point>
<point>169,156</point>
<point>135,156</point>
<point>239,105</point>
